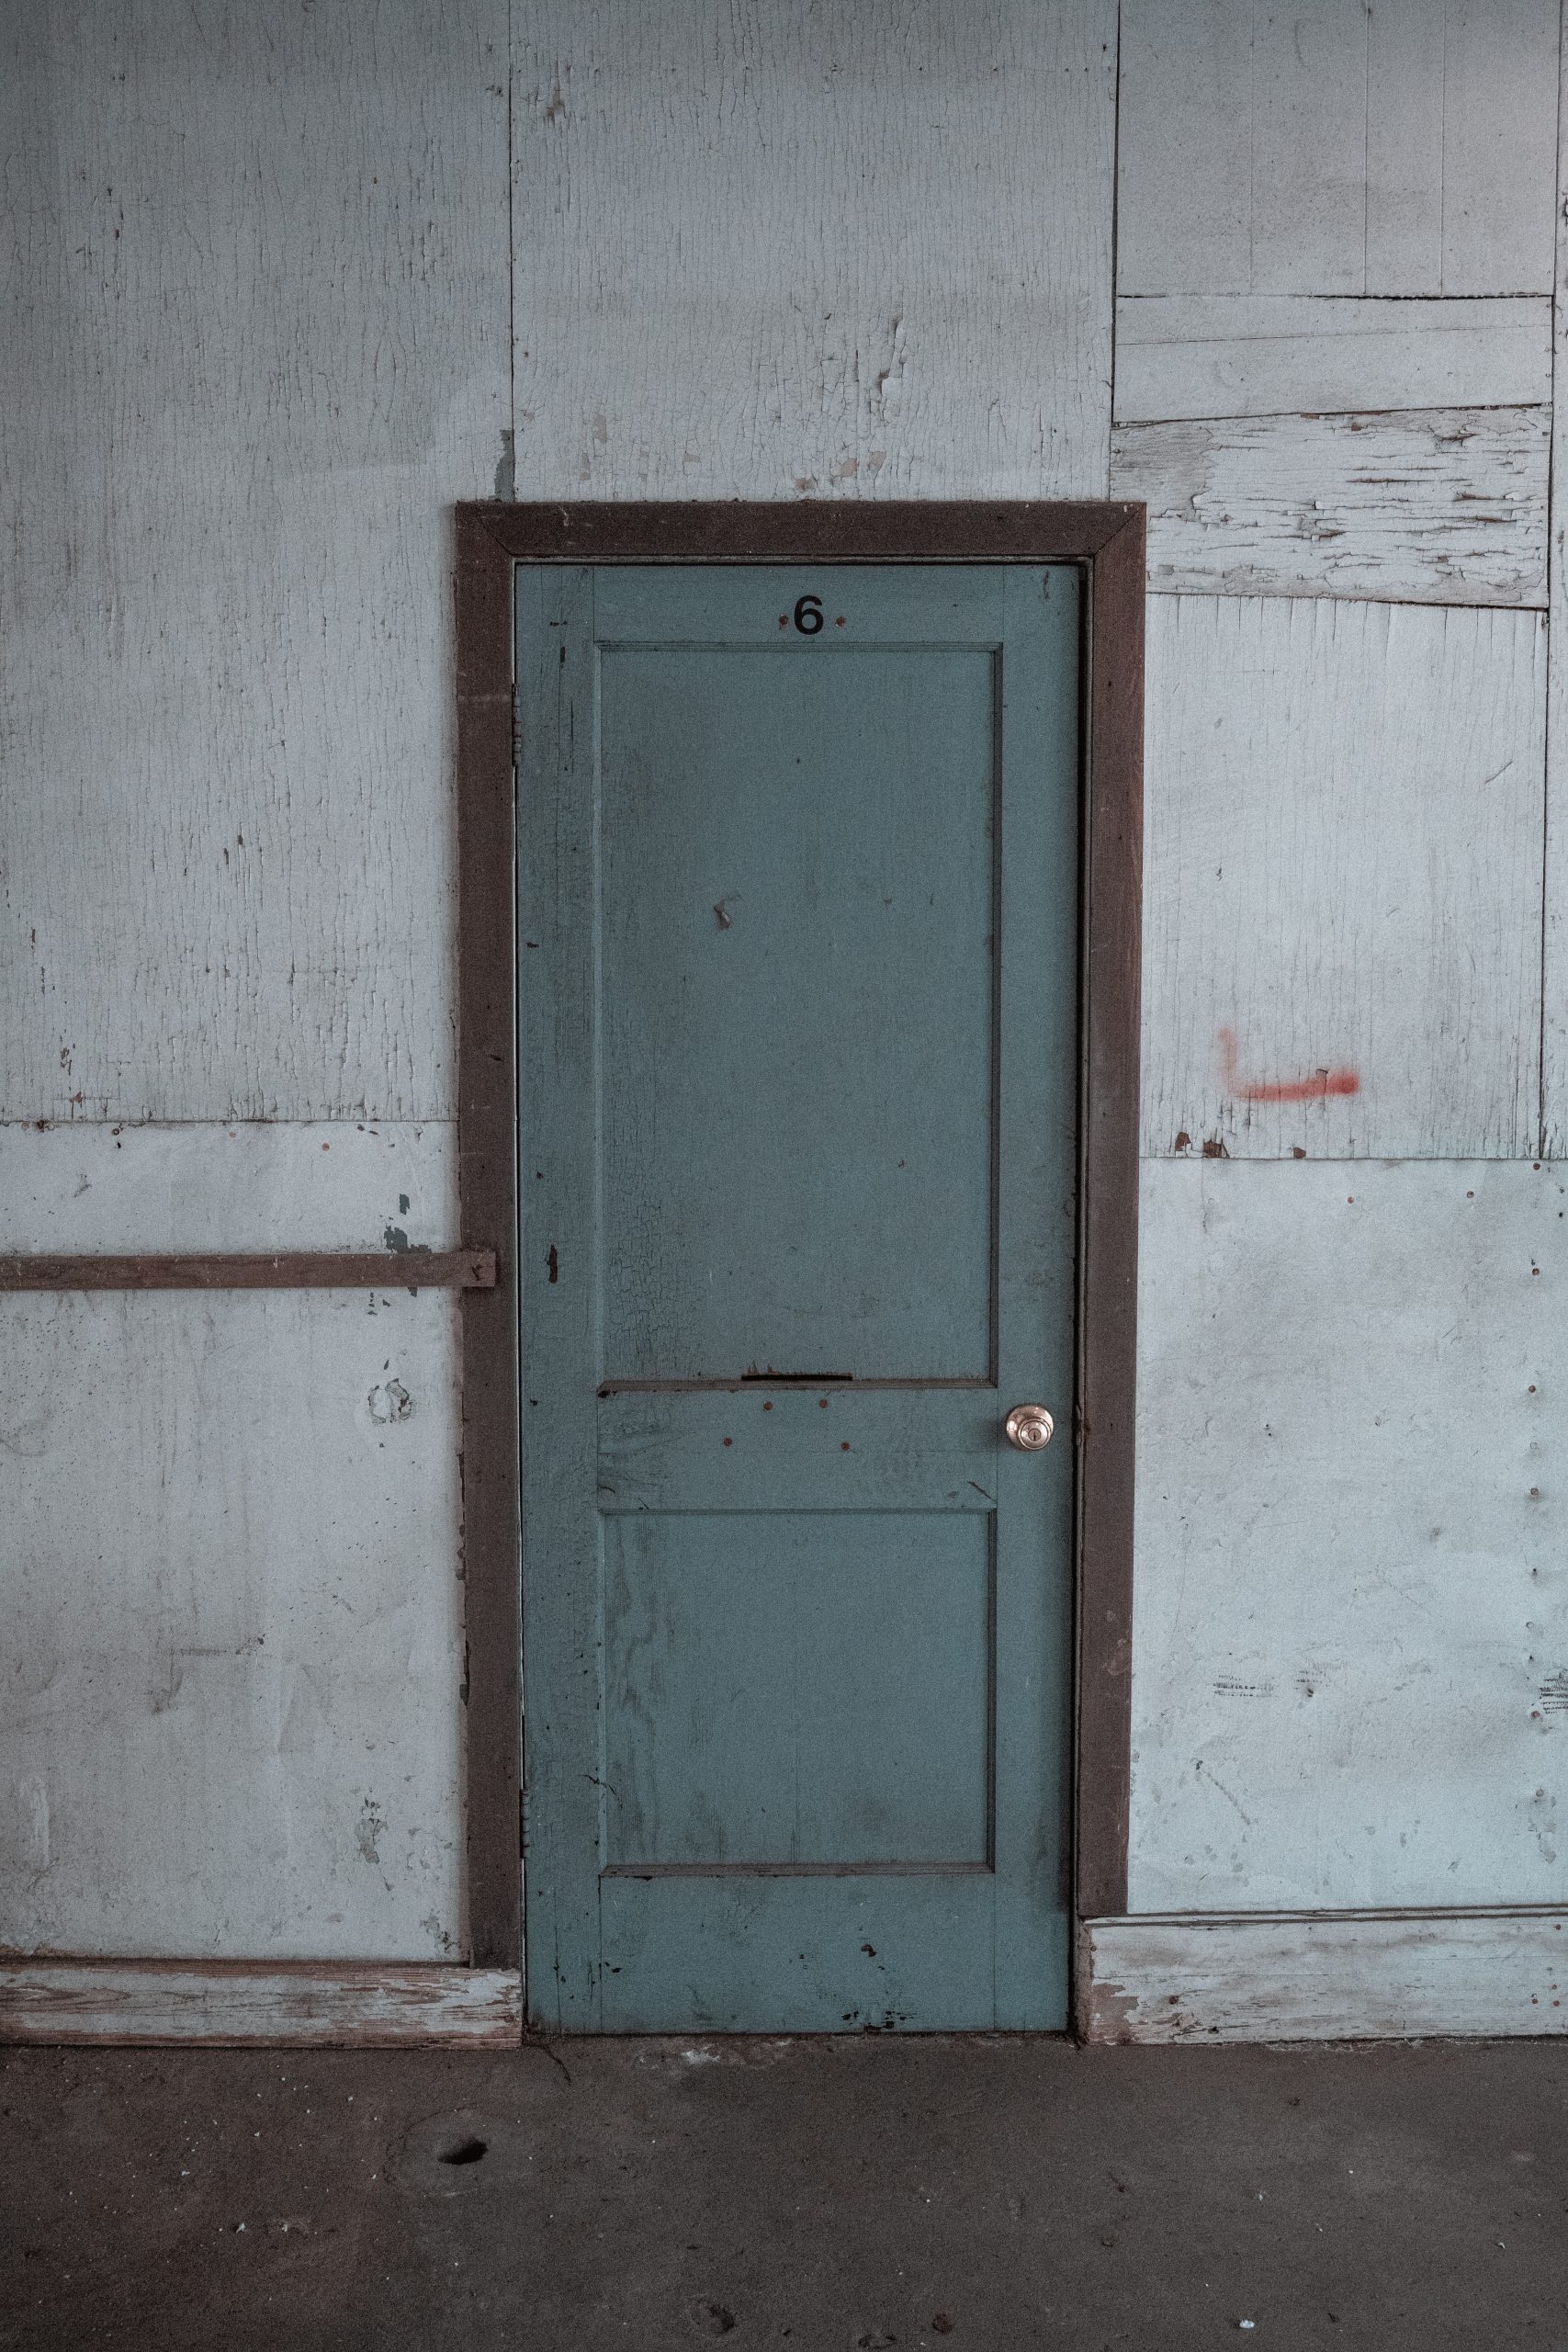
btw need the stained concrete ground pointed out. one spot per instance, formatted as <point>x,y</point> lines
<point>829,2195</point>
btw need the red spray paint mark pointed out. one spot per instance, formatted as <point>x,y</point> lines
<point>1321,1083</point>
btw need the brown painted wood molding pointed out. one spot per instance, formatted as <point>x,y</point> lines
<point>282,1269</point>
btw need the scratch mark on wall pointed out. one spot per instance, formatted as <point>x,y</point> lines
<point>33,1805</point>
<point>1229,1795</point>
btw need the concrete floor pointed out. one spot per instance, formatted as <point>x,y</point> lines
<point>837,2196</point>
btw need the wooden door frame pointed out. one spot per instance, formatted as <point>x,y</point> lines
<point>1106,539</point>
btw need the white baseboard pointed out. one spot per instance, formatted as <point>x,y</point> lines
<point>1323,1975</point>
<point>1241,1976</point>
<point>232,2004</point>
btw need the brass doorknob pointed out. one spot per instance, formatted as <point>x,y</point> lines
<point>1028,1427</point>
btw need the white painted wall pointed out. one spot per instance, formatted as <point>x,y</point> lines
<point>285,282</point>
<point>255,341</point>
<point>1335,147</point>
<point>1345,804</point>
<point>234,1625</point>
<point>1352,1683</point>
<point>778,251</point>
<point>1350,1625</point>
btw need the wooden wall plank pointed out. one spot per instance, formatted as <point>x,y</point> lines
<point>65,2001</point>
<point>1343,875</point>
<point>1336,148</point>
<point>324,1184</point>
<point>1555,1015</point>
<point>1436,506</point>
<point>1184,156</point>
<point>1406,65</point>
<point>1272,354</point>
<point>1350,1652</point>
<point>257,339</point>
<point>1500,118</point>
<point>1310,137</point>
<point>232,1722</point>
<point>1326,1976</point>
<point>769,254</point>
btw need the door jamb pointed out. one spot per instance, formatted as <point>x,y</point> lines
<point>1106,539</point>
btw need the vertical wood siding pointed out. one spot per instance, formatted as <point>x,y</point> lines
<point>1334,379</point>
<point>258,306</point>
<point>1350,1674</point>
<point>779,253</point>
<point>1337,148</point>
<point>1554,896</point>
<point>257,342</point>
<point>262,265</point>
<point>1342,879</point>
<point>233,1630</point>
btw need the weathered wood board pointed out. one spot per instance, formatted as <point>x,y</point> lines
<point>1325,1976</point>
<point>1337,148</point>
<point>232,1722</point>
<point>1350,1646</point>
<point>768,254</point>
<point>1342,878</point>
<point>81,1186</point>
<point>1555,1022</point>
<point>259,341</point>
<point>1445,506</point>
<point>236,2007</point>
<point>1274,355</point>
<point>222,1270</point>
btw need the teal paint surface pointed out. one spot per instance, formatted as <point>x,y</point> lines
<point>838,810</point>
<point>804,1734</point>
<point>799,1146</point>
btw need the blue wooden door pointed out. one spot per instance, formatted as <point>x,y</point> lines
<point>798,907</point>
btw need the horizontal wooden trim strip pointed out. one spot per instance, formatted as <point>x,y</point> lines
<point>284,1270</point>
<point>1323,1975</point>
<point>813,531</point>
<point>239,2005</point>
